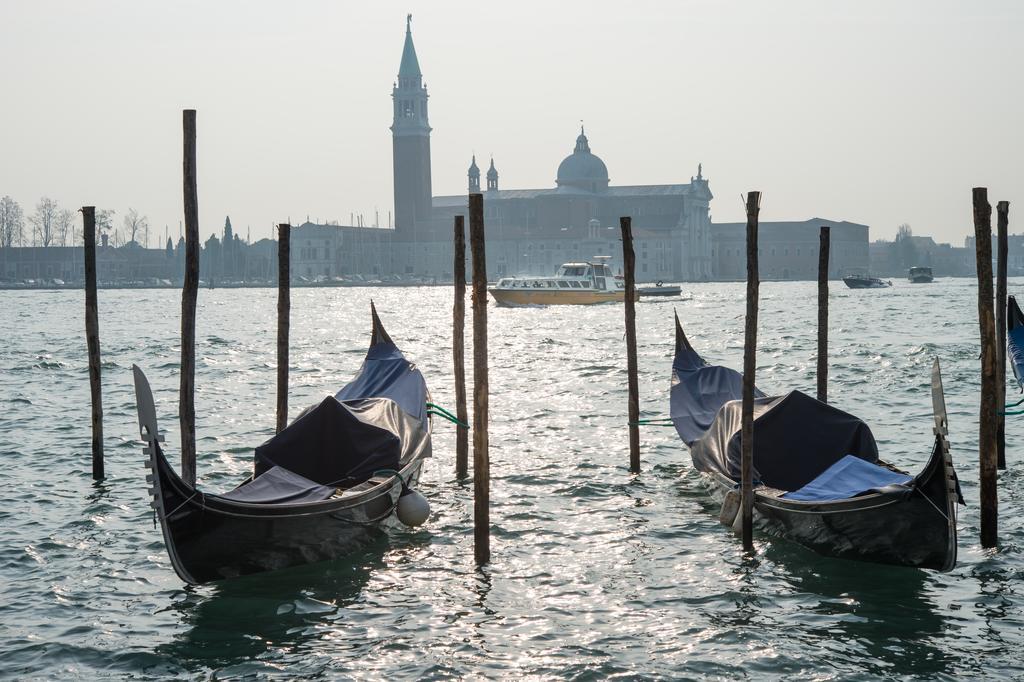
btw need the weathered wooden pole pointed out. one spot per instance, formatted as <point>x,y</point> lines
<point>1002,222</point>
<point>823,248</point>
<point>481,455</point>
<point>989,388</point>
<point>189,292</point>
<point>629,265</point>
<point>284,306</point>
<point>459,349</point>
<point>92,339</point>
<point>749,366</point>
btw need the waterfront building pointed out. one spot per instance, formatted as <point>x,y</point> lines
<point>789,250</point>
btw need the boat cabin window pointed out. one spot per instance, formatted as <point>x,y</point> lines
<point>563,284</point>
<point>599,283</point>
<point>572,271</point>
<point>574,284</point>
<point>585,285</point>
<point>551,285</point>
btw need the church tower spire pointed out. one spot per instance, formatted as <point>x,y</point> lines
<point>410,135</point>
<point>474,176</point>
<point>492,177</point>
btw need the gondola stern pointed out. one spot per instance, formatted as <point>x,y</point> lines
<point>164,481</point>
<point>686,358</point>
<point>379,335</point>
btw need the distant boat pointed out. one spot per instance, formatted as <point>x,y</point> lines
<point>574,283</point>
<point>920,275</point>
<point>865,282</point>
<point>660,289</point>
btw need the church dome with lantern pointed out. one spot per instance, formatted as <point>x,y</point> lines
<point>582,169</point>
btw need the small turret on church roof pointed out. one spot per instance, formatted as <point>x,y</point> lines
<point>492,176</point>
<point>474,176</point>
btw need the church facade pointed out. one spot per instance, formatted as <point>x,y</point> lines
<point>533,231</point>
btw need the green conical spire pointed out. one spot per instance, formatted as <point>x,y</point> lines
<point>410,67</point>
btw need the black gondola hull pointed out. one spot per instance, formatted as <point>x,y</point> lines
<point>910,523</point>
<point>914,527</point>
<point>321,488</point>
<point>211,539</point>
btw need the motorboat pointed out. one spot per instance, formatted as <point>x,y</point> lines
<point>575,283</point>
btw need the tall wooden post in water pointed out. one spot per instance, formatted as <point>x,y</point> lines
<point>987,431</point>
<point>284,306</point>
<point>1002,222</point>
<point>189,293</point>
<point>459,349</point>
<point>749,366</point>
<point>823,249</point>
<point>92,339</point>
<point>629,263</point>
<point>481,454</point>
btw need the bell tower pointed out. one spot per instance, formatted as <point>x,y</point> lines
<point>410,135</point>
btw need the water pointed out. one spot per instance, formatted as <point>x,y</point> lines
<point>595,573</point>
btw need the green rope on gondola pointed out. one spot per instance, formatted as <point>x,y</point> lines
<point>659,421</point>
<point>441,412</point>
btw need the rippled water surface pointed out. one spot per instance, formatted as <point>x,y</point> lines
<point>595,572</point>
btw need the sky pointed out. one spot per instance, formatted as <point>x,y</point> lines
<point>880,112</point>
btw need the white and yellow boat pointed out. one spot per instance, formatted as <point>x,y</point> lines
<point>573,284</point>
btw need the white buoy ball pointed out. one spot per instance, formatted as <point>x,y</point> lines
<point>413,508</point>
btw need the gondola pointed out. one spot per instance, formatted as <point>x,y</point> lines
<point>1015,339</point>
<point>321,488</point>
<point>817,477</point>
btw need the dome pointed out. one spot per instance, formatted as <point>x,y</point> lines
<point>582,169</point>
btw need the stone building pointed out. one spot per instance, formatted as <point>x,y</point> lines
<point>789,250</point>
<point>529,231</point>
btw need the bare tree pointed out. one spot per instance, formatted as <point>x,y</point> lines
<point>135,225</point>
<point>105,224</point>
<point>66,227</point>
<point>12,223</point>
<point>44,222</point>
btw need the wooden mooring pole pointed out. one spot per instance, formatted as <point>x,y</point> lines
<point>1002,222</point>
<point>481,455</point>
<point>989,386</point>
<point>823,249</point>
<point>629,265</point>
<point>749,367</point>
<point>459,349</point>
<point>189,293</point>
<point>284,306</point>
<point>92,339</point>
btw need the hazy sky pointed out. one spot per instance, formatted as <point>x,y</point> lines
<point>879,112</point>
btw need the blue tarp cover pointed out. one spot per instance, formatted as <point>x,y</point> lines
<point>387,374</point>
<point>277,485</point>
<point>848,477</point>
<point>1015,348</point>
